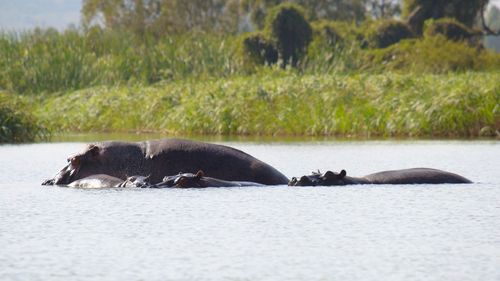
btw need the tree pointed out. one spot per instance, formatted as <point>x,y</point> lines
<point>384,9</point>
<point>162,16</point>
<point>388,32</point>
<point>493,21</point>
<point>289,31</point>
<point>490,19</point>
<point>206,15</point>
<point>464,11</point>
<point>345,10</point>
<point>135,15</point>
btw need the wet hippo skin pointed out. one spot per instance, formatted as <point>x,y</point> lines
<point>404,176</point>
<point>158,158</point>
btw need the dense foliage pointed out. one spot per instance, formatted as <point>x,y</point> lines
<point>283,103</point>
<point>48,61</point>
<point>259,49</point>
<point>143,70</point>
<point>464,11</point>
<point>290,32</point>
<point>328,31</point>
<point>388,32</point>
<point>16,122</point>
<point>449,28</point>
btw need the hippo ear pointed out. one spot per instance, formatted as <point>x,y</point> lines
<point>329,175</point>
<point>94,150</point>
<point>200,174</point>
<point>342,174</point>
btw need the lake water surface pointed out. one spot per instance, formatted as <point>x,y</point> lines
<point>413,232</point>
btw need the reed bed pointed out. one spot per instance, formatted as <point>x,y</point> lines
<point>280,102</point>
<point>17,124</point>
<point>47,61</point>
<point>199,83</point>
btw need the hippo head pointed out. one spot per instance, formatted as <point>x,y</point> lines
<point>331,178</point>
<point>136,181</point>
<point>189,180</point>
<point>316,179</point>
<point>182,180</point>
<point>95,159</point>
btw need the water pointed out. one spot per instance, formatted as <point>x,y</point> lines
<point>420,232</point>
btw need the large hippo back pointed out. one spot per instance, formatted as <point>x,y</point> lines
<point>166,157</point>
<point>171,156</point>
<point>415,176</point>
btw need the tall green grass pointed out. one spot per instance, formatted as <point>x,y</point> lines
<point>285,103</point>
<point>17,124</point>
<point>48,61</point>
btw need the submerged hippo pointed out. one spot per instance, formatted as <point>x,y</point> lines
<point>187,180</point>
<point>166,157</point>
<point>106,181</point>
<point>405,176</point>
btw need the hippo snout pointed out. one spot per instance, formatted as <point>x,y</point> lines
<point>63,177</point>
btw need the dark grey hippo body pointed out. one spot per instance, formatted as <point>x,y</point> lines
<point>107,181</point>
<point>199,180</point>
<point>404,176</point>
<point>166,157</point>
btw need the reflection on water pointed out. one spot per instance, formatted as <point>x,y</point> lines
<point>424,232</point>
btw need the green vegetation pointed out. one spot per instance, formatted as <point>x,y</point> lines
<point>143,71</point>
<point>290,32</point>
<point>433,54</point>
<point>34,63</point>
<point>16,123</point>
<point>388,32</point>
<point>259,50</point>
<point>418,11</point>
<point>48,61</point>
<point>449,28</point>
<point>280,102</point>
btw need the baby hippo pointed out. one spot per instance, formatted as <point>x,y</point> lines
<point>199,180</point>
<point>107,181</point>
<point>404,176</point>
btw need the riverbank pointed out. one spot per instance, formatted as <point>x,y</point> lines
<point>284,103</point>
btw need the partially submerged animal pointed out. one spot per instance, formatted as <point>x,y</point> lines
<point>404,176</point>
<point>199,180</point>
<point>165,157</point>
<point>107,181</point>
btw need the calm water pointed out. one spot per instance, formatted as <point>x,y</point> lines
<point>422,232</point>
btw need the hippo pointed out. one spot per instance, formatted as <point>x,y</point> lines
<point>107,181</point>
<point>405,176</point>
<point>187,180</point>
<point>157,158</point>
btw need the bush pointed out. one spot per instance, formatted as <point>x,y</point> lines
<point>464,11</point>
<point>449,28</point>
<point>289,31</point>
<point>276,102</point>
<point>16,124</point>
<point>328,32</point>
<point>388,32</point>
<point>431,55</point>
<point>259,49</point>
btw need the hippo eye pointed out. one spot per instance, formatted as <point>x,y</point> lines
<point>75,161</point>
<point>181,182</point>
<point>178,180</point>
